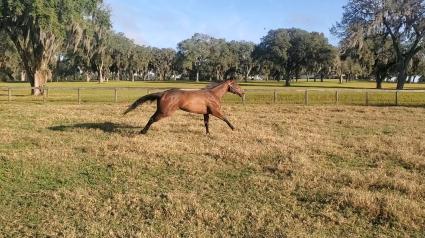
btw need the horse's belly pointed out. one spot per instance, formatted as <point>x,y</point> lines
<point>194,107</point>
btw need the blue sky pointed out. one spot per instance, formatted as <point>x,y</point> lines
<point>164,23</point>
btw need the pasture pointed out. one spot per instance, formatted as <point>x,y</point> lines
<point>286,171</point>
<point>258,92</point>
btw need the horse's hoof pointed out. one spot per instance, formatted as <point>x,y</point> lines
<point>143,132</point>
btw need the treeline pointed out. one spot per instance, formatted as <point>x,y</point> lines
<point>61,39</point>
<point>386,37</point>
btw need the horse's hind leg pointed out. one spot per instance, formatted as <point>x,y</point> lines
<point>206,121</point>
<point>154,118</point>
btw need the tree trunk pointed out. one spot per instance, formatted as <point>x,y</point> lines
<point>341,78</point>
<point>379,84</point>
<point>321,77</point>
<point>23,76</point>
<point>39,80</point>
<point>197,75</point>
<point>161,76</point>
<point>248,72</point>
<point>379,78</point>
<point>87,76</point>
<point>287,80</point>
<point>297,76</point>
<point>402,75</point>
<point>100,73</point>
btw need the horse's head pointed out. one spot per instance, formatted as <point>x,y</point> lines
<point>235,88</point>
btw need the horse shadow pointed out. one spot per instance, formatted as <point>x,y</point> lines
<point>107,127</point>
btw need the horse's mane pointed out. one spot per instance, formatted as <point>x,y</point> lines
<point>214,84</point>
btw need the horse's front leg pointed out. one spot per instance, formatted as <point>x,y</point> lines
<point>228,123</point>
<point>221,116</point>
<point>206,121</point>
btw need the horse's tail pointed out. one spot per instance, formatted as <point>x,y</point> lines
<point>140,101</point>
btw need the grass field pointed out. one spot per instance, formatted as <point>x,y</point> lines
<point>286,171</point>
<point>350,93</point>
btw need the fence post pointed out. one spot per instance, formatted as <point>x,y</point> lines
<point>116,95</point>
<point>79,96</point>
<point>243,99</point>
<point>336,97</point>
<point>396,97</point>
<point>44,96</point>
<point>367,98</point>
<point>306,97</point>
<point>46,91</point>
<point>9,94</point>
<point>274,96</point>
<point>147,91</point>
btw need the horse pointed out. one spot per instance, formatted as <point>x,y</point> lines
<point>206,101</point>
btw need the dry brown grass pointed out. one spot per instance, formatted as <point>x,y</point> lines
<point>82,171</point>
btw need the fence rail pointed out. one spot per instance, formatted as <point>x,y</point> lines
<point>308,96</point>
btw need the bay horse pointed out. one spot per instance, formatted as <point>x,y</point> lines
<point>205,101</point>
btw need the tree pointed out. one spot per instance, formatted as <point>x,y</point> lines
<point>417,66</point>
<point>402,22</point>
<point>274,48</point>
<point>142,59</point>
<point>9,58</point>
<point>193,52</point>
<point>243,53</point>
<point>319,55</point>
<point>290,51</point>
<point>162,62</point>
<point>338,67</point>
<point>122,52</point>
<point>379,55</point>
<point>94,39</point>
<point>37,29</point>
<point>351,68</point>
<point>299,41</point>
<point>220,58</point>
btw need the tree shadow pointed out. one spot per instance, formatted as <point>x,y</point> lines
<point>107,127</point>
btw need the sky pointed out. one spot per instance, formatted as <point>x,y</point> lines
<point>164,23</point>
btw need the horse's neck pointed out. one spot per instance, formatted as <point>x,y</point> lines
<point>220,90</point>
